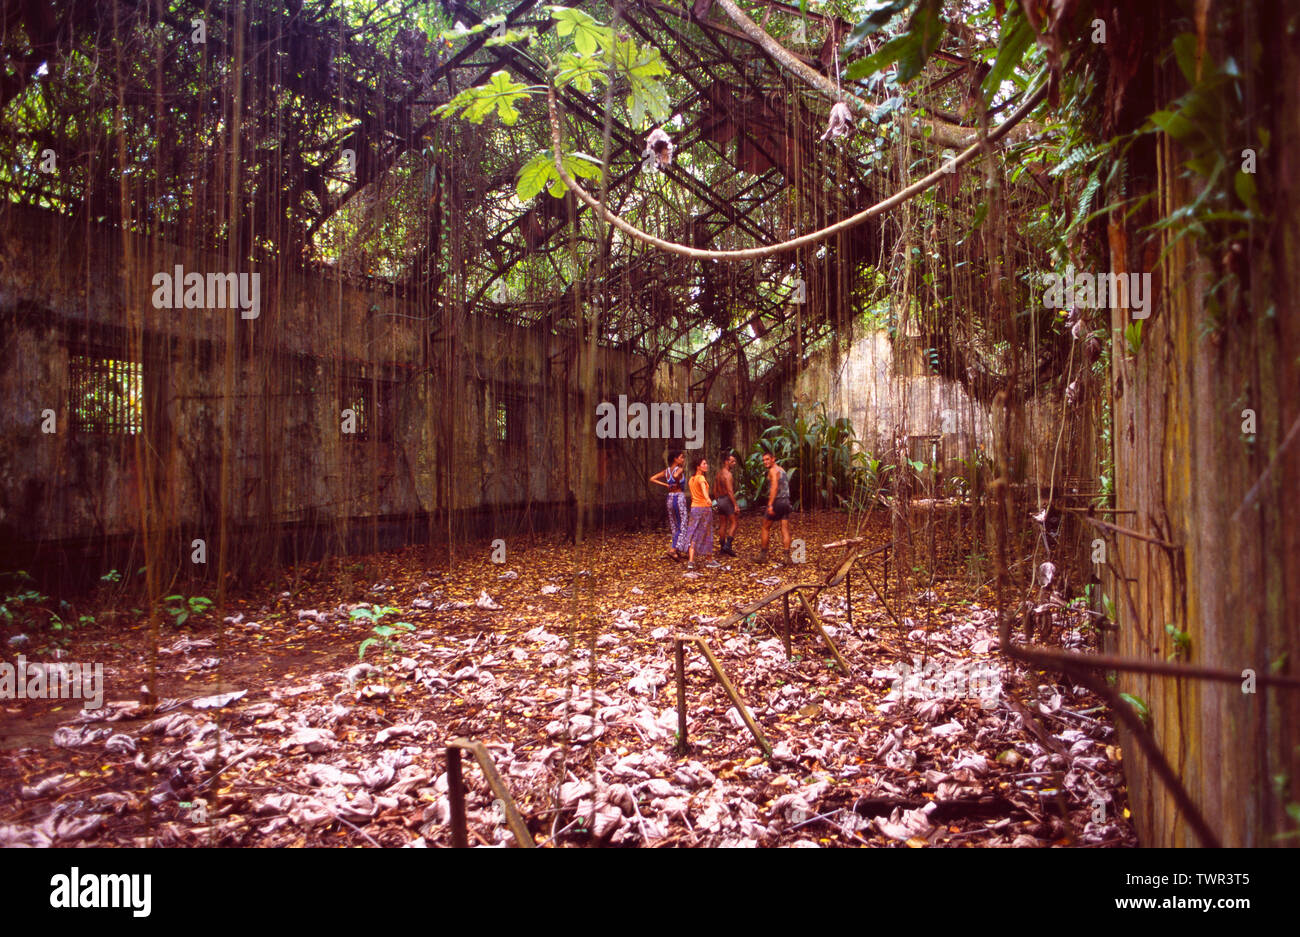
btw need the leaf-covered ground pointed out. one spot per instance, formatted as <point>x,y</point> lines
<point>574,696</point>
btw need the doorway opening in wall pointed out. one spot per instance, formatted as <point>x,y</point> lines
<point>726,436</point>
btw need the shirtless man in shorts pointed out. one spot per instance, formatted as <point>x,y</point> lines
<point>728,510</point>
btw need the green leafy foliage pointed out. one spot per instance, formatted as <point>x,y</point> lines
<point>1133,336</point>
<point>182,609</point>
<point>882,58</point>
<point>910,50</point>
<point>822,457</point>
<point>875,15</point>
<point>1016,37</point>
<point>580,71</point>
<point>385,635</point>
<point>642,68</point>
<point>587,32</point>
<point>539,173</point>
<point>1182,642</point>
<point>499,94</point>
<point>1137,703</point>
<point>1211,125</point>
<point>24,606</point>
<point>598,50</point>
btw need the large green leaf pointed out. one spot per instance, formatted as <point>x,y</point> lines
<point>587,33</point>
<point>581,71</point>
<point>1173,123</point>
<point>1016,38</point>
<point>1185,46</point>
<point>883,57</point>
<point>1137,703</point>
<point>539,173</point>
<point>927,25</point>
<point>643,68</point>
<point>499,94</point>
<point>535,175</point>
<point>877,14</point>
<point>1244,184</point>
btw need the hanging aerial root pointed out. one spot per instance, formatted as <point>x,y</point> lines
<point>969,154</point>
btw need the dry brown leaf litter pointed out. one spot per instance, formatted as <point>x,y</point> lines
<point>314,748</point>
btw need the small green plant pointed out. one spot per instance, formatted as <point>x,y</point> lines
<point>182,609</point>
<point>111,576</point>
<point>956,486</point>
<point>1281,785</point>
<point>384,635</point>
<point>1133,336</point>
<point>24,605</point>
<point>1182,642</point>
<point>1136,702</point>
<point>63,629</point>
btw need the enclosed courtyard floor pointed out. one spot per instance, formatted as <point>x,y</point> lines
<point>267,730</point>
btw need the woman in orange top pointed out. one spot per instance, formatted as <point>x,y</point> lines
<point>699,531</point>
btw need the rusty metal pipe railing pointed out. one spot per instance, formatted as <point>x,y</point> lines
<point>456,795</point>
<point>679,651</point>
<point>785,625</point>
<point>816,623</point>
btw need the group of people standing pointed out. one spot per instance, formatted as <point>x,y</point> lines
<point>692,501</point>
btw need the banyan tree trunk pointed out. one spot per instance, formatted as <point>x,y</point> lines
<point>1224,504</point>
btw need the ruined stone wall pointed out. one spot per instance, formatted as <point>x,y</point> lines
<point>879,393</point>
<point>282,379</point>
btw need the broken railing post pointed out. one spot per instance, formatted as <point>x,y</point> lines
<point>456,799</point>
<point>735,698</point>
<point>679,642</point>
<point>816,623</point>
<point>785,624</point>
<point>456,794</point>
<point>679,653</point>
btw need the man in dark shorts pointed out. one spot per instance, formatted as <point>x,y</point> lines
<point>778,505</point>
<point>727,507</point>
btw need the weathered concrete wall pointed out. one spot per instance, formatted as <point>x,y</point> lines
<point>279,385</point>
<point>875,393</point>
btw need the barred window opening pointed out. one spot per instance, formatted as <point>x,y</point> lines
<point>107,395</point>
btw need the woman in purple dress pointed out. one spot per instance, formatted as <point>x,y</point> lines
<point>674,479</point>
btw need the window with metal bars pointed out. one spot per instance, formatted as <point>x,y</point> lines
<point>106,394</point>
<point>503,418</point>
<point>372,402</point>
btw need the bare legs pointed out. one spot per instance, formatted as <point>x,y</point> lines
<point>767,533</point>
